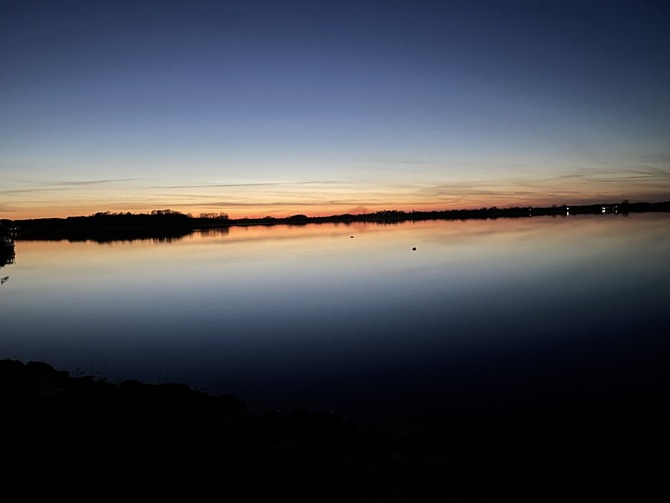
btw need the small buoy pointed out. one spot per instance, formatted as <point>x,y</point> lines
<point>351,237</point>
<point>414,248</point>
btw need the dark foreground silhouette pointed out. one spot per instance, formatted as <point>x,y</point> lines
<point>80,436</point>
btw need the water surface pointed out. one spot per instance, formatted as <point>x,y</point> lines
<point>435,325</point>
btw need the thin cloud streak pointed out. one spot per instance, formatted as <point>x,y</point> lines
<point>585,185</point>
<point>270,204</point>
<point>92,182</point>
<point>250,184</point>
<point>44,187</point>
<point>30,191</point>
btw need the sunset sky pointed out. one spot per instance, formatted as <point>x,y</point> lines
<point>259,108</point>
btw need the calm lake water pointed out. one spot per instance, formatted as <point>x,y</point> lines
<point>485,322</point>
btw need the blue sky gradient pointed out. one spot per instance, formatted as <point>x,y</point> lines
<point>261,108</point>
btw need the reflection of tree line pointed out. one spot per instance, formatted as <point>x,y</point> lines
<point>6,257</point>
<point>7,232</point>
<point>107,236</point>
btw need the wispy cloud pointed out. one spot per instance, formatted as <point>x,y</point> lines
<point>268,204</point>
<point>30,191</point>
<point>92,182</point>
<point>249,184</point>
<point>581,185</point>
<point>601,176</point>
<point>62,185</point>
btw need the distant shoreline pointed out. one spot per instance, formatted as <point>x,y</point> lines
<point>166,224</point>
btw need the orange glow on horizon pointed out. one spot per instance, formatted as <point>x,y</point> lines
<point>283,211</point>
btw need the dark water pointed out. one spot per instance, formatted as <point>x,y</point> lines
<point>486,323</point>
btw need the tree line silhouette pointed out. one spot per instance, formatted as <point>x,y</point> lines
<point>169,223</point>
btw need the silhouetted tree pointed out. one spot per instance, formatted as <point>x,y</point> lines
<point>215,216</point>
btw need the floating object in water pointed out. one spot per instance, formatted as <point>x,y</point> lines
<point>414,248</point>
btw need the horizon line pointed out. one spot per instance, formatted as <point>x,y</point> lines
<point>223,215</point>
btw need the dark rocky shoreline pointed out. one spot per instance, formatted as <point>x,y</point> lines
<point>69,433</point>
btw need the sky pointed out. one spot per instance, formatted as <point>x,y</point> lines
<point>273,108</point>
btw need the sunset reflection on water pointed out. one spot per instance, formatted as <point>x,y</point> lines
<point>399,320</point>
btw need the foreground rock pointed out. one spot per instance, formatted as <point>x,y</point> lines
<point>75,431</point>
<point>81,437</point>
